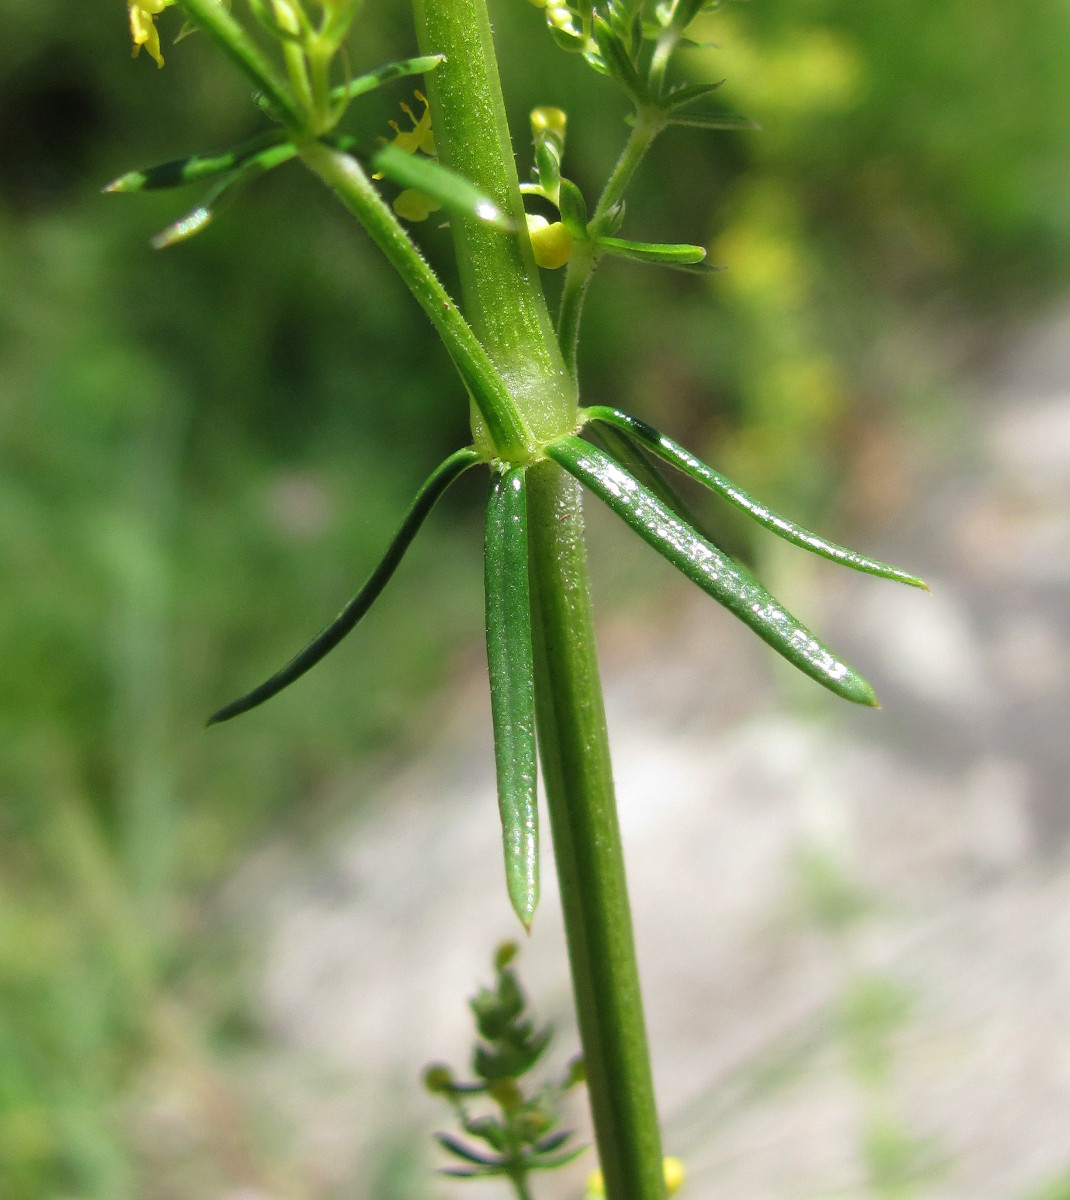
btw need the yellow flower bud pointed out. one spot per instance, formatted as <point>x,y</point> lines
<point>551,244</point>
<point>549,122</point>
<point>412,205</point>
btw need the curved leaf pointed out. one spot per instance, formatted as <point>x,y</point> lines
<point>451,190</point>
<point>512,686</point>
<point>675,454</point>
<point>719,575</point>
<point>321,645</point>
<point>397,69</point>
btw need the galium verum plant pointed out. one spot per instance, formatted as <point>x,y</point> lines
<point>540,448</point>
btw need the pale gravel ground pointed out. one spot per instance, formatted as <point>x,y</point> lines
<point>949,808</point>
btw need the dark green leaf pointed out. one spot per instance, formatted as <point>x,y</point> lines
<point>548,163</point>
<point>451,190</point>
<point>455,1146</point>
<point>196,167</point>
<point>512,686</point>
<point>552,1141</point>
<point>384,74</point>
<point>321,645</point>
<point>719,575</point>
<point>675,454</point>
<point>626,451</point>
<point>573,209</point>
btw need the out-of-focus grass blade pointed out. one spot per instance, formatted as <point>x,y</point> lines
<point>384,74</point>
<point>223,194</point>
<point>675,454</point>
<point>719,575</point>
<point>452,191</point>
<point>680,257</point>
<point>321,645</point>
<point>512,686</point>
<point>196,167</point>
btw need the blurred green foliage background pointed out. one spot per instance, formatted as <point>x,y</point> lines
<point>204,449</point>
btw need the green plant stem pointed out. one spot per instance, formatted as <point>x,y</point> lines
<point>509,433</point>
<point>500,285</point>
<point>574,749</point>
<point>649,122</point>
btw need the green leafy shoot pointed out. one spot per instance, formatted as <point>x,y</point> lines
<point>719,575</point>
<point>512,686</point>
<point>521,1136</point>
<point>455,193</point>
<point>223,194</point>
<point>681,257</point>
<point>685,462</point>
<point>321,645</point>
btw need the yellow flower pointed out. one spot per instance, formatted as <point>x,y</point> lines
<point>420,136</point>
<point>143,27</point>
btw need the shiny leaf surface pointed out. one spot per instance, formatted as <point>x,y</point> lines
<point>675,454</point>
<point>512,686</point>
<point>719,575</point>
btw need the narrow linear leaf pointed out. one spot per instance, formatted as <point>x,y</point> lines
<point>719,575</point>
<point>690,93</point>
<point>464,1172</point>
<point>675,454</point>
<point>195,167</point>
<point>512,686</point>
<point>718,120</point>
<point>223,194</point>
<point>452,191</point>
<point>558,1160</point>
<point>455,1146</point>
<point>321,645</point>
<point>664,254</point>
<point>398,69</point>
<point>630,455</point>
<point>553,1142</point>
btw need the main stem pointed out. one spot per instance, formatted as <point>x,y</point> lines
<point>504,304</point>
<point>577,773</point>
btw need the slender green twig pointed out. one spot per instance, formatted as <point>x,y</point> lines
<point>649,122</point>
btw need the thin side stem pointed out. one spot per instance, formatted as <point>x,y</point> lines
<point>574,749</point>
<point>649,122</point>
<point>509,432</point>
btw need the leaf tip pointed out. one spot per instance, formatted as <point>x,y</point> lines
<point>132,181</point>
